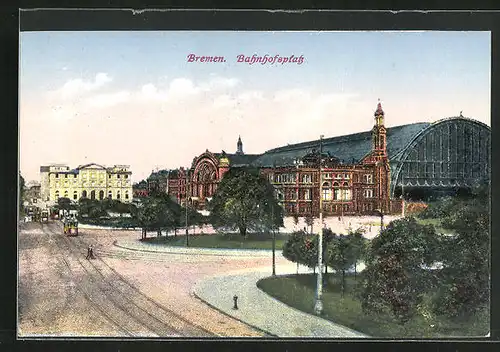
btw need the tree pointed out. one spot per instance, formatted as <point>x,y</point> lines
<point>245,201</point>
<point>292,247</point>
<point>341,256</point>
<point>91,208</point>
<point>22,190</point>
<point>466,258</point>
<point>64,204</point>
<point>158,213</point>
<point>395,276</point>
<point>359,247</point>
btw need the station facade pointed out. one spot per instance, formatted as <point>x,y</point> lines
<point>360,173</point>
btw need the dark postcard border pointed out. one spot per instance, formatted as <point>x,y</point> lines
<point>209,20</point>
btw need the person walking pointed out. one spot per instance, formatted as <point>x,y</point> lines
<point>90,252</point>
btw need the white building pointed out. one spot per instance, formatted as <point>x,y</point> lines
<point>91,181</point>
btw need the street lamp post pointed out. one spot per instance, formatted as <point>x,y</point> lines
<point>318,307</point>
<point>381,214</point>
<point>186,205</point>
<point>274,239</point>
<point>403,195</point>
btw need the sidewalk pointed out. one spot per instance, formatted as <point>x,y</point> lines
<point>136,245</point>
<point>258,309</point>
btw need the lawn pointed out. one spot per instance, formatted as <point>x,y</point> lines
<point>236,241</point>
<point>298,291</point>
<point>436,223</point>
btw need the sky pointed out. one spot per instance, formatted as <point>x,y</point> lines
<point>133,98</point>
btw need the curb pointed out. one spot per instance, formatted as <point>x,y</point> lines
<point>230,316</point>
<point>186,251</point>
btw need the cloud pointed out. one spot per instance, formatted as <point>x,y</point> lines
<point>219,83</point>
<point>107,99</point>
<point>77,86</point>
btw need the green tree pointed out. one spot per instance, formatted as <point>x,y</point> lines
<point>395,276</point>
<point>158,213</point>
<point>22,191</point>
<point>359,246</point>
<point>91,208</point>
<point>245,201</point>
<point>340,256</point>
<point>466,258</point>
<point>64,204</point>
<point>292,247</point>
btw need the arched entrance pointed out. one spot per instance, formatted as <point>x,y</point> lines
<point>92,194</point>
<point>101,195</point>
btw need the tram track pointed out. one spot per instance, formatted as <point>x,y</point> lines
<point>98,306</point>
<point>128,298</point>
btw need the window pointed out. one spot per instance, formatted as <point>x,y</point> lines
<point>346,194</point>
<point>109,176</point>
<point>75,195</point>
<point>65,175</point>
<point>326,191</point>
<point>307,194</point>
<point>57,195</point>
<point>101,195</point>
<point>117,176</point>
<point>57,175</point>
<point>126,195</point>
<point>84,194</point>
<point>306,179</point>
<point>368,178</point>
<point>368,193</point>
<point>66,194</point>
<point>126,176</point>
<point>92,194</point>
<point>118,195</point>
<point>345,184</point>
<point>327,194</point>
<point>347,176</point>
<point>337,194</point>
<point>110,194</point>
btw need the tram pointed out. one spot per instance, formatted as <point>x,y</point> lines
<point>44,216</point>
<point>70,226</point>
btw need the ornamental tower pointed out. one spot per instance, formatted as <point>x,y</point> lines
<point>379,132</point>
<point>239,146</point>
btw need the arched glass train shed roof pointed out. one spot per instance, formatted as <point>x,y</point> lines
<point>452,152</point>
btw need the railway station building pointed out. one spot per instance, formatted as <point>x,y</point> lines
<point>360,173</point>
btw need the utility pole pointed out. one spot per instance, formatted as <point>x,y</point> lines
<point>318,307</point>
<point>186,205</point>
<point>274,239</point>
<point>403,195</point>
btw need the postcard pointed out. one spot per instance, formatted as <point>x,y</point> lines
<point>257,184</point>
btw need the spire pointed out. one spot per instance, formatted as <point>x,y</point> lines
<point>379,111</point>
<point>239,145</point>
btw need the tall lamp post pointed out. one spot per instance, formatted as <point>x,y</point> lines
<point>403,196</point>
<point>381,214</point>
<point>318,307</point>
<point>186,205</point>
<point>274,239</point>
<point>266,203</point>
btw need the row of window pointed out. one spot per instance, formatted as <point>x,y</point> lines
<point>92,175</point>
<point>291,178</point>
<point>92,195</point>
<point>327,194</point>
<point>336,176</point>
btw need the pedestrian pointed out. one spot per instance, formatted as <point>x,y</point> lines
<point>90,252</point>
